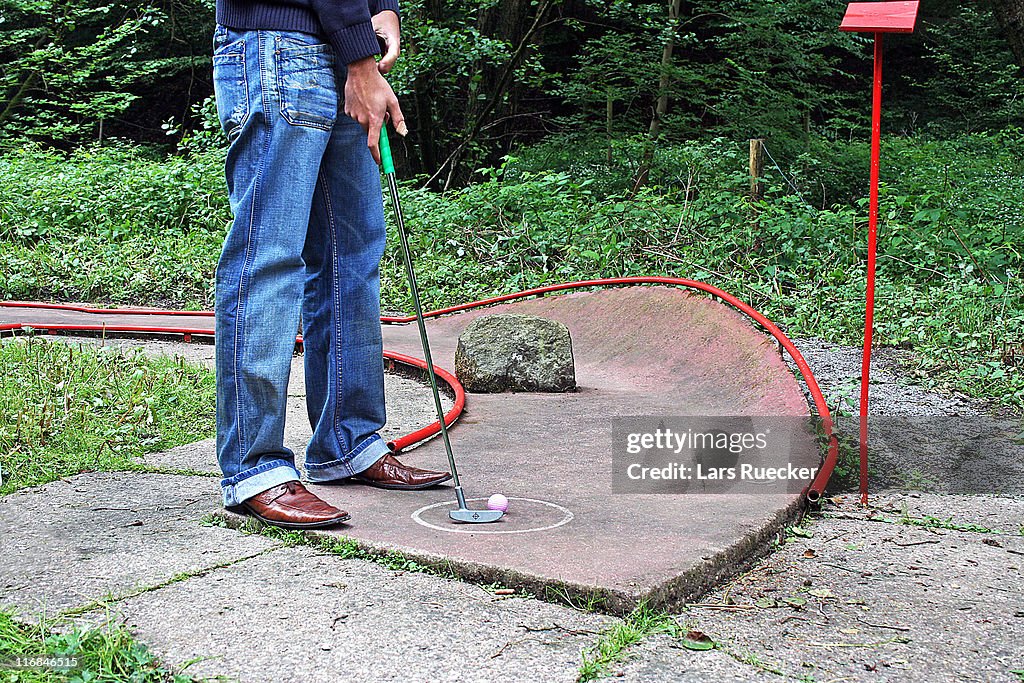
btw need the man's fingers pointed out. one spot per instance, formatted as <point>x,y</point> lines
<point>373,139</point>
<point>397,117</point>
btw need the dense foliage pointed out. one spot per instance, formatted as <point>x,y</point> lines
<point>75,70</point>
<point>116,225</point>
<point>573,139</point>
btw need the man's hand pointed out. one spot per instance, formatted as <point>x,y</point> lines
<point>386,26</point>
<point>369,99</point>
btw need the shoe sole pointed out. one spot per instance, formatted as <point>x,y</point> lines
<point>401,487</point>
<point>297,525</point>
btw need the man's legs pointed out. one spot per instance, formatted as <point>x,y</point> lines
<point>277,101</point>
<point>308,221</point>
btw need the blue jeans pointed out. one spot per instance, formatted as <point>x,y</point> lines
<point>308,233</point>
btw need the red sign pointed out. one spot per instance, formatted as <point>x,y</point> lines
<point>880,17</point>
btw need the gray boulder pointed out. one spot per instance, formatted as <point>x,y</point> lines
<point>515,352</point>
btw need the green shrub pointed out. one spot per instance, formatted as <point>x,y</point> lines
<point>111,224</point>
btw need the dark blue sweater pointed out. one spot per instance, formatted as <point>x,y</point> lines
<point>345,23</point>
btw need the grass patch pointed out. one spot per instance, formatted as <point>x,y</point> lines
<point>71,408</point>
<point>107,654</point>
<point>611,647</point>
<point>931,522</point>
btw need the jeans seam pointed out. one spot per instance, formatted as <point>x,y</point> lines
<point>240,303</point>
<point>264,76</point>
<point>336,296</point>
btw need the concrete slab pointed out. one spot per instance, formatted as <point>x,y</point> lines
<point>650,351</point>
<point>662,659</point>
<point>71,542</point>
<point>200,456</point>
<point>294,615</point>
<point>193,352</point>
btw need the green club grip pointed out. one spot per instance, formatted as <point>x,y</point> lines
<point>387,163</point>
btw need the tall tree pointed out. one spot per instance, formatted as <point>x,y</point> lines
<point>71,68</point>
<point>1010,15</point>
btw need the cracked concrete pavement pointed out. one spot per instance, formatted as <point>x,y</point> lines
<point>921,586</point>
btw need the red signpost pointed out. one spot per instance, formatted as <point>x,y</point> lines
<point>877,18</point>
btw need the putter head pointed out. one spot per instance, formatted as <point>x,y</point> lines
<point>466,516</point>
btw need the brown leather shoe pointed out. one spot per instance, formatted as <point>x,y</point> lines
<point>292,506</point>
<point>388,473</point>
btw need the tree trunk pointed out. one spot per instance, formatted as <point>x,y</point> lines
<point>1010,15</point>
<point>609,111</point>
<point>661,106</point>
<point>422,133</point>
<point>664,81</point>
<point>480,114</point>
<point>26,85</point>
<point>491,94</point>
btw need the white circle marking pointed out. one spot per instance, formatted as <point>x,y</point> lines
<point>567,517</point>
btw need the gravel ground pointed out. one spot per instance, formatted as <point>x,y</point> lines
<point>919,439</point>
<point>917,587</point>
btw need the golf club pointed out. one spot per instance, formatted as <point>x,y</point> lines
<point>463,513</point>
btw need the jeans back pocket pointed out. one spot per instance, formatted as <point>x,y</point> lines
<point>307,83</point>
<point>231,87</point>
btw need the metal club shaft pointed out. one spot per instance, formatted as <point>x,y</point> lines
<point>418,309</point>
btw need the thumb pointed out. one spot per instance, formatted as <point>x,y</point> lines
<point>387,62</point>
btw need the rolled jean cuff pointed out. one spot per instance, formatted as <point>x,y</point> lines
<point>245,485</point>
<point>360,459</point>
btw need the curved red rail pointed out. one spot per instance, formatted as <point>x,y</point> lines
<point>434,427</point>
<point>813,491</point>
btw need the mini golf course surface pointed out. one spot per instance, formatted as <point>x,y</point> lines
<point>639,351</point>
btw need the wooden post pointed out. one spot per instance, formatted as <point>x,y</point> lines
<point>756,168</point>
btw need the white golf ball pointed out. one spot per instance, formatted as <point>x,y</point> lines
<point>497,502</point>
